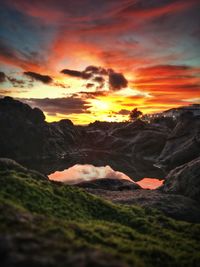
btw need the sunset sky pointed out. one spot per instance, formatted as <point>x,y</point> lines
<point>89,60</point>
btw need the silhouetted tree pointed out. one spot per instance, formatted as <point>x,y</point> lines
<point>135,114</point>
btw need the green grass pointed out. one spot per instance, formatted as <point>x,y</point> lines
<point>49,223</point>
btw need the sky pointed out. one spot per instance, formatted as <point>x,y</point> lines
<point>89,60</point>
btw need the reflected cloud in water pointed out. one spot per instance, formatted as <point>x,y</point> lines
<point>87,172</point>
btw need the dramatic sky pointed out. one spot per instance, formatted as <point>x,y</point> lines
<point>92,60</point>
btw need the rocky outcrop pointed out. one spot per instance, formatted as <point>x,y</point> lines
<point>183,145</point>
<point>131,147</point>
<point>11,165</point>
<point>172,205</point>
<point>184,180</point>
<point>110,184</point>
<point>128,147</point>
<point>25,135</point>
<point>135,148</point>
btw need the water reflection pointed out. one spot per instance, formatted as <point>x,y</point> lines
<point>87,172</point>
<point>150,183</point>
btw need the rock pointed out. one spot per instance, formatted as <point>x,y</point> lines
<point>131,148</point>
<point>183,145</point>
<point>110,184</point>
<point>175,206</point>
<point>184,180</point>
<point>26,136</point>
<point>37,116</point>
<point>11,165</point>
<point>14,252</point>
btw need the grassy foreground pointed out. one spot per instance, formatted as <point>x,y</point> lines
<point>48,224</point>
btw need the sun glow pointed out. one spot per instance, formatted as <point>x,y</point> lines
<point>100,105</point>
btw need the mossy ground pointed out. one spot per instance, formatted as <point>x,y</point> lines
<point>49,224</point>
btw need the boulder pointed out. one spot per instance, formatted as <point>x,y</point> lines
<point>11,165</point>
<point>184,180</point>
<point>26,136</point>
<point>183,145</point>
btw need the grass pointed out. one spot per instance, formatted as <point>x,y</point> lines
<point>49,224</point>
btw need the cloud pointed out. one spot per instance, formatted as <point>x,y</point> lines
<point>89,85</point>
<point>14,81</point>
<point>99,79</point>
<point>152,49</point>
<point>18,82</point>
<point>162,80</point>
<point>39,77</point>
<point>65,105</point>
<point>117,81</point>
<point>123,112</point>
<point>2,77</point>
<point>88,73</point>
<point>93,94</point>
<point>12,55</point>
<point>96,70</point>
<point>73,73</point>
<point>80,173</point>
<point>154,9</point>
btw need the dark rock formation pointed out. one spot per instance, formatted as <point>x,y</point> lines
<point>25,135</point>
<point>184,180</point>
<point>110,184</point>
<point>131,147</point>
<point>11,165</point>
<point>183,145</point>
<point>128,147</point>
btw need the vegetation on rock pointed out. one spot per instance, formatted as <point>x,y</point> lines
<point>44,223</point>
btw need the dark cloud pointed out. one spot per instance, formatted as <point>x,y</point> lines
<point>77,74</point>
<point>73,73</point>
<point>17,82</point>
<point>123,112</point>
<point>88,73</point>
<point>117,81</point>
<point>99,79</point>
<point>39,77</point>
<point>96,70</point>
<point>2,77</point>
<point>93,94</point>
<point>65,105</point>
<point>89,85</point>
